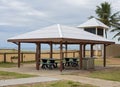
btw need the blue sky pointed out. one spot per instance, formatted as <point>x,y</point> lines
<point>21,16</point>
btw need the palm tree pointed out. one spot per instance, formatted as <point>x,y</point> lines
<point>104,13</point>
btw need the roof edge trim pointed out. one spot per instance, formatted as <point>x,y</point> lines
<point>59,29</point>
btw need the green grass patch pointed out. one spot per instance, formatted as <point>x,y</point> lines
<point>113,74</point>
<point>7,64</point>
<point>99,62</point>
<point>117,57</point>
<point>11,75</point>
<point>29,62</point>
<point>12,64</point>
<point>61,83</point>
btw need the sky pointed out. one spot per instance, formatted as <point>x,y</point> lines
<point>21,16</point>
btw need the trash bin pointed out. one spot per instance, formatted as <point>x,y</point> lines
<point>88,63</point>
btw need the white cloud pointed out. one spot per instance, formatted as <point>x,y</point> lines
<point>116,5</point>
<point>24,12</point>
<point>4,23</point>
<point>79,3</point>
<point>18,12</point>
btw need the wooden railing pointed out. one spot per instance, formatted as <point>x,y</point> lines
<point>13,56</point>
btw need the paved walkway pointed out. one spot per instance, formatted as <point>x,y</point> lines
<point>85,80</point>
<point>26,81</point>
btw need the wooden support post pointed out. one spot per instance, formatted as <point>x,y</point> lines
<point>37,55</point>
<point>19,49</point>
<point>61,57</point>
<point>91,51</point>
<point>80,56</point>
<point>4,57</point>
<point>104,57</point>
<point>66,50</point>
<point>51,50</point>
<point>84,50</point>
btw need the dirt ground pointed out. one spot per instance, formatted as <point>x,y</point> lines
<point>113,61</point>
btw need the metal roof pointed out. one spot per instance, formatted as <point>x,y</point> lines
<point>58,32</point>
<point>93,22</point>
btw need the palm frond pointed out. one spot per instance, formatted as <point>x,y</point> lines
<point>116,34</point>
<point>116,14</point>
<point>118,38</point>
<point>116,29</point>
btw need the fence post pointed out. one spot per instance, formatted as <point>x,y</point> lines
<point>4,57</point>
<point>21,57</point>
<point>73,54</point>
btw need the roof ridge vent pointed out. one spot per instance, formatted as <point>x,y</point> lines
<point>59,29</point>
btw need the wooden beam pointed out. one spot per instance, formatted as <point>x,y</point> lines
<point>61,57</point>
<point>80,56</point>
<point>37,55</point>
<point>66,50</point>
<point>91,51</point>
<point>104,56</point>
<point>51,50</point>
<point>19,48</point>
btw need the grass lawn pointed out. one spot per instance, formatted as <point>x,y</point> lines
<point>62,83</point>
<point>108,74</point>
<point>117,57</point>
<point>10,65</point>
<point>99,62</point>
<point>7,65</point>
<point>11,75</point>
<point>28,62</point>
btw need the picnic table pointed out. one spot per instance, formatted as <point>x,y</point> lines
<point>71,62</point>
<point>49,63</point>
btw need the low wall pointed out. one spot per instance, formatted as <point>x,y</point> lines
<point>113,50</point>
